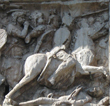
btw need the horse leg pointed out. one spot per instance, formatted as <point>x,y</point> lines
<point>33,66</point>
<point>93,69</point>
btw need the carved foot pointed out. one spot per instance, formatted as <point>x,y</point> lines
<point>105,72</point>
<point>9,102</point>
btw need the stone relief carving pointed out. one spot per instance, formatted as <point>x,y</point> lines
<point>57,55</point>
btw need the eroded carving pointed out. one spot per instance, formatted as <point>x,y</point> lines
<point>57,49</point>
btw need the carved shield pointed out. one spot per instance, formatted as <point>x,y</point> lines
<point>62,37</point>
<point>3,37</point>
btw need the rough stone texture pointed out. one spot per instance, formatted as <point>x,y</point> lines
<point>3,37</point>
<point>56,53</point>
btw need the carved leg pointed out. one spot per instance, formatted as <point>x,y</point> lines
<point>63,68</point>
<point>104,101</point>
<point>39,101</point>
<point>74,93</point>
<point>55,102</point>
<point>10,95</point>
<point>80,102</point>
<point>93,69</point>
<point>33,66</point>
<point>27,78</point>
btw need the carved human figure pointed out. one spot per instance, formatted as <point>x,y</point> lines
<point>54,19</point>
<point>40,29</point>
<point>36,64</point>
<point>83,55</point>
<point>39,61</point>
<point>15,29</point>
<point>37,23</point>
<point>70,99</point>
<point>103,102</point>
<point>37,18</point>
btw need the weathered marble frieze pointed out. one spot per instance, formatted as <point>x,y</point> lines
<point>54,53</point>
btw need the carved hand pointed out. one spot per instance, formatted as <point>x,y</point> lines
<point>26,23</point>
<point>49,55</point>
<point>63,47</point>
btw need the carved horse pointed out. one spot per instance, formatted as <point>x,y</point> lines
<point>84,55</point>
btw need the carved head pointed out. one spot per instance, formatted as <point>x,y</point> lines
<point>67,20</point>
<point>95,91</point>
<point>19,17</point>
<point>53,12</point>
<point>36,18</point>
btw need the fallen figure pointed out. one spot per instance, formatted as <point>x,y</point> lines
<point>68,100</point>
<point>82,58</point>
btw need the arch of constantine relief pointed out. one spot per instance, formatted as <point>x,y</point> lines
<point>54,52</point>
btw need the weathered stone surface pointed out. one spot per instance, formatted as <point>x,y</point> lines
<point>3,37</point>
<point>2,79</point>
<point>2,91</point>
<point>12,67</point>
<point>56,52</point>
